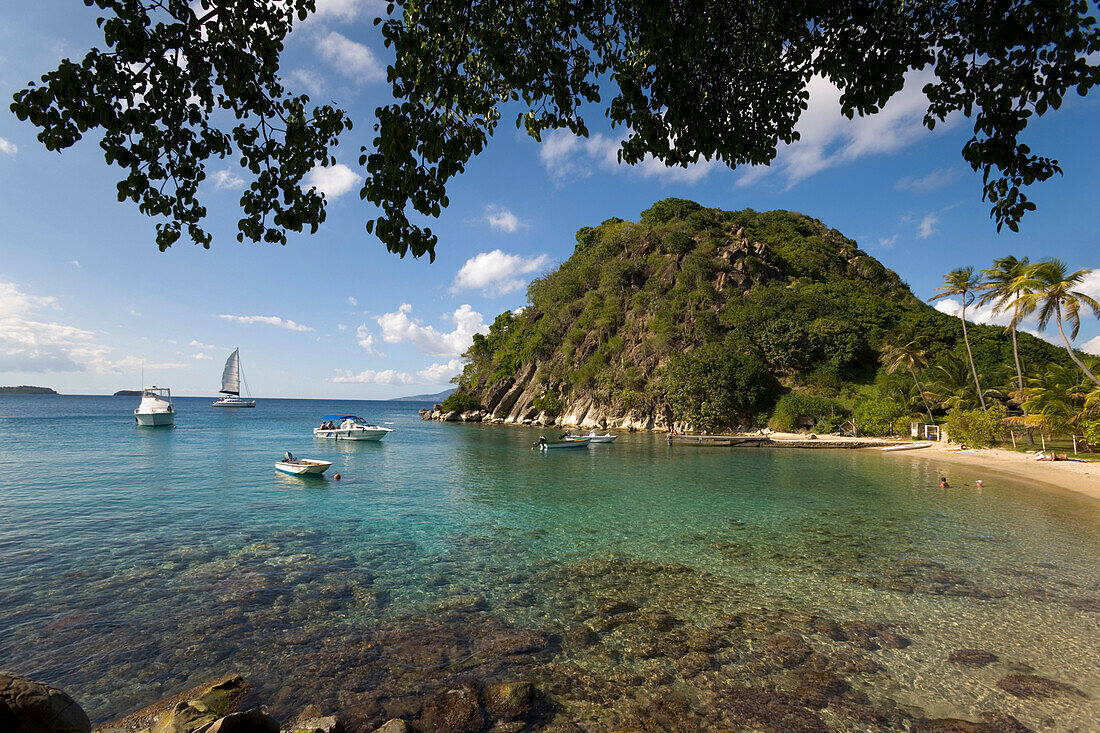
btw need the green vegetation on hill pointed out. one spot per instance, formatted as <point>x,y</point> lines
<point>26,389</point>
<point>708,317</point>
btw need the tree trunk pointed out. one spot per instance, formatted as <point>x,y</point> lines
<point>970,355</point>
<point>1069,348</point>
<point>1020,379</point>
<point>922,398</point>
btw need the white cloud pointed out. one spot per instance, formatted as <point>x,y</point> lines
<point>348,10</point>
<point>75,263</point>
<point>364,338</point>
<point>936,179</point>
<point>990,316</point>
<point>353,60</point>
<point>269,320</point>
<point>226,179</point>
<point>500,218</point>
<point>30,342</point>
<point>132,310</point>
<point>352,300</point>
<point>566,157</point>
<point>341,327</point>
<point>332,181</point>
<point>7,147</point>
<point>370,376</point>
<point>200,345</point>
<point>829,139</point>
<point>1090,284</point>
<point>307,80</point>
<point>1092,346</point>
<point>440,373</point>
<point>398,328</point>
<point>496,273</point>
<point>888,242</point>
<point>927,226</point>
<point>200,356</point>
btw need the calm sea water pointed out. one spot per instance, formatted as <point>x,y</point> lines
<point>137,561</point>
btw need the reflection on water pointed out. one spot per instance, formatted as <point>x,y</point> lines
<point>639,586</point>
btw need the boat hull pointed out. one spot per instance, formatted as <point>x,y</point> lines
<point>303,468</point>
<point>368,434</point>
<point>905,446</point>
<point>155,419</point>
<point>235,403</point>
<point>577,443</point>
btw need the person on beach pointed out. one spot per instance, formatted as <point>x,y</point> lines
<point>943,483</point>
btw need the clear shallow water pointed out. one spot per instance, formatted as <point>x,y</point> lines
<point>136,561</point>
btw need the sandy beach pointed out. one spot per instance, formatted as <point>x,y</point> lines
<point>1081,477</point>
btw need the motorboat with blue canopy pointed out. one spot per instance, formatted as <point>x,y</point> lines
<point>349,427</point>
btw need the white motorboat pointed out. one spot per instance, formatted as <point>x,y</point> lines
<point>905,446</point>
<point>594,437</point>
<point>231,384</point>
<point>155,409</point>
<point>349,427</point>
<point>543,444</point>
<point>302,466</point>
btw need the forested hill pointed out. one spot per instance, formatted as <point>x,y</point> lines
<point>704,318</point>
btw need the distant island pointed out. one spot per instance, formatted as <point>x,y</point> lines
<point>437,397</point>
<point>26,389</point>
<point>127,393</point>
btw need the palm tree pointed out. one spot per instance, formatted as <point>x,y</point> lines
<point>904,352</point>
<point>1003,285</point>
<point>963,282</point>
<point>951,385</point>
<point>1059,397</point>
<point>1048,289</point>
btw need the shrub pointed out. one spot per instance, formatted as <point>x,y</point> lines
<point>975,428</point>
<point>460,402</point>
<point>719,385</point>
<point>878,417</point>
<point>549,402</point>
<point>794,405</point>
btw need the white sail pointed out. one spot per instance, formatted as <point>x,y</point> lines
<point>231,375</point>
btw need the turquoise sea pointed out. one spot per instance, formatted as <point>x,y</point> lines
<point>639,586</point>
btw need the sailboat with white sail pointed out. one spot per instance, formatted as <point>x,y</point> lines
<point>231,384</point>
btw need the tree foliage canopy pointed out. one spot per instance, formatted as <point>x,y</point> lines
<point>716,79</point>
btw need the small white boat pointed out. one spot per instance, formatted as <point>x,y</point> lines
<point>349,427</point>
<point>594,437</point>
<point>543,444</point>
<point>302,466</point>
<point>155,409</point>
<point>905,446</point>
<point>231,384</point>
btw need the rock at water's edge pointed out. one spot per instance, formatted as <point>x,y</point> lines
<point>27,706</point>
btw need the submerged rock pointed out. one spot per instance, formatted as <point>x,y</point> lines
<point>509,700</point>
<point>972,657</point>
<point>27,706</point>
<point>454,711</point>
<point>1029,685</point>
<point>394,725</point>
<point>990,723</point>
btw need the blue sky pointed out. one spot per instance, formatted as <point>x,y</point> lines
<point>86,297</point>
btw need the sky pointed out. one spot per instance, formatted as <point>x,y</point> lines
<point>87,302</point>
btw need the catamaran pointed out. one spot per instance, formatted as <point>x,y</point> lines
<point>231,384</point>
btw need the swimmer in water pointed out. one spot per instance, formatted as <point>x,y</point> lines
<point>943,483</point>
<point>978,483</point>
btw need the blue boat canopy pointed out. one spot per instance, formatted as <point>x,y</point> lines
<point>340,417</point>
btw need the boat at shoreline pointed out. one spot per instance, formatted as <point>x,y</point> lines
<point>231,384</point>
<point>155,409</point>
<point>905,446</point>
<point>349,427</point>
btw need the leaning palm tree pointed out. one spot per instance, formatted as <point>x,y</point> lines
<point>1002,285</point>
<point>963,282</point>
<point>904,352</point>
<point>1050,291</point>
